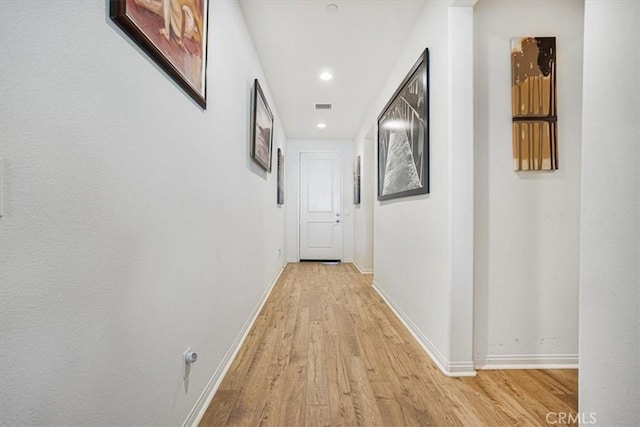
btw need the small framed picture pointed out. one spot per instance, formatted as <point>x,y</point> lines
<point>280,195</point>
<point>261,128</point>
<point>356,181</point>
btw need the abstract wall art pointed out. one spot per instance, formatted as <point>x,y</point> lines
<point>534,103</point>
<point>403,136</point>
<point>174,34</point>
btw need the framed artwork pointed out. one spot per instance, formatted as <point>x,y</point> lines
<point>280,195</point>
<point>174,34</point>
<point>534,103</point>
<point>403,136</point>
<point>261,128</point>
<point>356,181</point>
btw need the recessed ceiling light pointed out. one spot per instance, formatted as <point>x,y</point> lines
<point>321,125</point>
<point>332,8</point>
<point>326,76</point>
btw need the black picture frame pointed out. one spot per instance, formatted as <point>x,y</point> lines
<point>403,136</point>
<point>182,56</point>
<point>280,180</point>
<point>261,128</point>
<point>356,181</point>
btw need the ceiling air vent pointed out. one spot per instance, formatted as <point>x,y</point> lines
<point>323,107</point>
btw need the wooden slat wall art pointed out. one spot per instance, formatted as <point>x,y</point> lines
<point>534,106</point>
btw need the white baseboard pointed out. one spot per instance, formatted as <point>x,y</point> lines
<point>450,369</point>
<point>528,361</point>
<point>362,271</point>
<point>196,414</point>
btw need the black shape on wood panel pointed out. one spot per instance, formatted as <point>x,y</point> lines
<point>546,54</point>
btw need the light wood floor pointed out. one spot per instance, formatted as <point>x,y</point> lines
<point>326,350</point>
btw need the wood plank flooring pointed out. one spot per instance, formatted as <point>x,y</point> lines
<point>326,350</point>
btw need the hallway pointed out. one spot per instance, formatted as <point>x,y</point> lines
<point>326,350</point>
<point>138,227</point>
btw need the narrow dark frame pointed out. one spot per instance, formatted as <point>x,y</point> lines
<point>357,183</point>
<point>280,179</point>
<point>257,92</point>
<point>118,13</point>
<point>423,59</point>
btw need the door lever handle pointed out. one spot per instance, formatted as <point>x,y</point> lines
<point>337,221</point>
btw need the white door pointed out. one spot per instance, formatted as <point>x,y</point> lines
<point>320,206</point>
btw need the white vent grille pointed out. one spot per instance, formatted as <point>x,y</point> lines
<point>323,107</point>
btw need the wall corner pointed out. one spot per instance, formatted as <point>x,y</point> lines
<point>461,178</point>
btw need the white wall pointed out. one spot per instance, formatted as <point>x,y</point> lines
<point>461,186</point>
<point>411,234</point>
<point>292,175</point>
<point>363,213</point>
<point>526,223</point>
<point>134,223</point>
<point>610,223</point>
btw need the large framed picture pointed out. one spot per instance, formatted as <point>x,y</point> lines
<point>261,128</point>
<point>280,191</point>
<point>174,34</point>
<point>403,136</point>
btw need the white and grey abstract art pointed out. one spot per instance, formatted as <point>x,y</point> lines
<point>403,138</point>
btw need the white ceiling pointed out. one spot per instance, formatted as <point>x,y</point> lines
<point>298,39</point>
